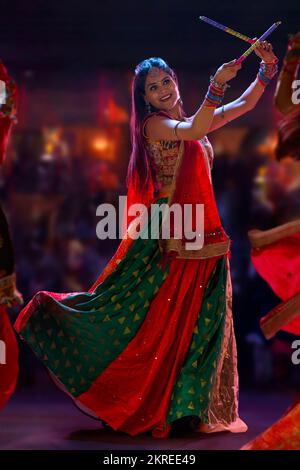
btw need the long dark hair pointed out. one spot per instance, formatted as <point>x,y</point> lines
<point>289,136</point>
<point>141,168</point>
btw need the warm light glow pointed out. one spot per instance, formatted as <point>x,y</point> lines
<point>54,144</point>
<point>49,147</point>
<point>267,147</point>
<point>100,144</point>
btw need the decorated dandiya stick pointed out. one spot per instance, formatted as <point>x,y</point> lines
<point>227,30</point>
<point>257,43</point>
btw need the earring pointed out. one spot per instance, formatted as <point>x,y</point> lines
<point>180,101</point>
<point>148,108</point>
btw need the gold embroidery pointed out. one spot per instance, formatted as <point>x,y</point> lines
<point>8,291</point>
<point>280,315</point>
<point>259,238</point>
<point>208,251</point>
<point>223,407</point>
<point>165,155</point>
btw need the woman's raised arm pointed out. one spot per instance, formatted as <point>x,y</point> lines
<point>163,128</point>
<point>249,99</point>
<point>240,106</point>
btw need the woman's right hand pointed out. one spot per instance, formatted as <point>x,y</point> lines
<point>227,72</point>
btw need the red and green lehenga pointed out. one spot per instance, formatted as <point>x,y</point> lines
<point>152,341</point>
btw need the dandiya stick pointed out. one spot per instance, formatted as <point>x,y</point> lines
<point>257,43</point>
<point>226,29</point>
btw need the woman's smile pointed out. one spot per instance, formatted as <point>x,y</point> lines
<point>160,89</point>
<point>166,97</point>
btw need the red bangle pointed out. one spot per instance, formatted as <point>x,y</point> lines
<point>261,82</point>
<point>274,62</point>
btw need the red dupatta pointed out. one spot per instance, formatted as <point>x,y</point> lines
<point>191,185</point>
<point>276,257</point>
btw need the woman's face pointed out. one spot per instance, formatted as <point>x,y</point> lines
<point>161,90</point>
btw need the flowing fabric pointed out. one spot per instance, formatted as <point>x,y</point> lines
<point>143,349</point>
<point>276,257</point>
<point>149,343</point>
<point>282,435</point>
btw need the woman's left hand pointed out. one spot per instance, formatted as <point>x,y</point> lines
<point>265,52</point>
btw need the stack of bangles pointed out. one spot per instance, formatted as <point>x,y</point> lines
<point>215,93</point>
<point>266,72</point>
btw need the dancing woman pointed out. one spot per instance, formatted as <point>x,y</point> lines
<point>9,294</point>
<point>152,342</point>
<point>276,252</point>
<point>281,245</point>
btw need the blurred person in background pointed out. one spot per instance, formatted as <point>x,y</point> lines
<point>9,294</point>
<point>276,252</point>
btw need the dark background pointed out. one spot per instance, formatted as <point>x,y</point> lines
<point>94,34</point>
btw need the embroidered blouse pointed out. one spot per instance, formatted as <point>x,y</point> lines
<point>165,154</point>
